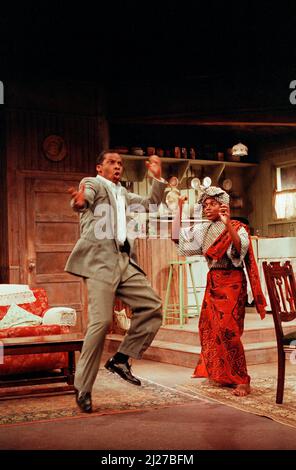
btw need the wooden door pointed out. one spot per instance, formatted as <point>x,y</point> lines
<point>52,229</point>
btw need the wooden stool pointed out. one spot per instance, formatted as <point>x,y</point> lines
<point>168,309</point>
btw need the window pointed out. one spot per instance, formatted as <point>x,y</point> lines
<point>285,194</point>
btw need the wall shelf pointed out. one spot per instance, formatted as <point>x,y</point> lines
<point>135,167</point>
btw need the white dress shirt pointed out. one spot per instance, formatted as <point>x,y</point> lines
<point>116,190</point>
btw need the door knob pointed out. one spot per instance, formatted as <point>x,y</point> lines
<point>32,265</point>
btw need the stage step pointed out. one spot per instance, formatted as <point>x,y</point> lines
<point>181,346</point>
<point>187,355</point>
<point>255,331</point>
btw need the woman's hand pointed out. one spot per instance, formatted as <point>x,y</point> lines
<point>224,214</point>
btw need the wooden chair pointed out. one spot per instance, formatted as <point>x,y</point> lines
<point>281,287</point>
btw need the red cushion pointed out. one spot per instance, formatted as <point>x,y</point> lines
<point>21,364</point>
<point>35,330</point>
<point>38,307</point>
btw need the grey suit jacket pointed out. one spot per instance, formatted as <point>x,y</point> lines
<point>95,256</point>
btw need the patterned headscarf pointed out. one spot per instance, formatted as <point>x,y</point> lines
<point>216,193</point>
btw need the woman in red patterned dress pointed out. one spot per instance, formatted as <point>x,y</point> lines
<point>226,244</point>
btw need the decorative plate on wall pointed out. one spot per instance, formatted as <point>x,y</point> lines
<point>227,184</point>
<point>54,148</point>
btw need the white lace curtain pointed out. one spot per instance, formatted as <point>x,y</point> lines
<point>285,204</point>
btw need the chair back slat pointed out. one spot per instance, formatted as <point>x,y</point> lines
<point>282,298</point>
<point>290,298</point>
<point>281,287</point>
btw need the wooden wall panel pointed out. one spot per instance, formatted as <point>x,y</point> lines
<point>26,130</point>
<point>55,260</point>
<point>60,233</point>
<point>260,192</point>
<point>80,133</point>
<point>44,205</point>
<point>3,206</point>
<point>57,293</point>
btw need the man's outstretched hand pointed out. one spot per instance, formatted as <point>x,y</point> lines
<point>78,197</point>
<point>154,166</point>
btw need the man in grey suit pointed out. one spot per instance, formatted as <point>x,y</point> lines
<point>103,255</point>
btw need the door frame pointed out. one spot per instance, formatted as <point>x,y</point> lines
<point>17,218</point>
<point>18,209</point>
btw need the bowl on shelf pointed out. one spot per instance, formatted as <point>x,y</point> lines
<point>150,151</point>
<point>137,151</point>
<point>192,153</point>
<point>183,152</point>
<point>177,152</point>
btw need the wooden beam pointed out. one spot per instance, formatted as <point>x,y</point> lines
<point>199,122</point>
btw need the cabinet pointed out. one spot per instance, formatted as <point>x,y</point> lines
<point>135,168</point>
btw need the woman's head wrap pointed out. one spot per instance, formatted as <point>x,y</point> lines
<point>216,193</point>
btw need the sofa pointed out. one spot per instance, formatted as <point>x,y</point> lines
<point>50,324</point>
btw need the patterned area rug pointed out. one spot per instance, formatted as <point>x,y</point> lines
<point>110,395</point>
<point>260,402</point>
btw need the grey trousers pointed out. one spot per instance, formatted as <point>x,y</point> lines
<point>133,288</point>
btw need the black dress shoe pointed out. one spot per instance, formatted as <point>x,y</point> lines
<point>83,400</point>
<point>124,370</point>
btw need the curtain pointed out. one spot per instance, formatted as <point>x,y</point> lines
<point>285,204</point>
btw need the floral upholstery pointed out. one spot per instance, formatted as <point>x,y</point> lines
<point>36,330</point>
<point>33,362</point>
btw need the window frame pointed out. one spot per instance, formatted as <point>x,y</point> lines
<point>276,191</point>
